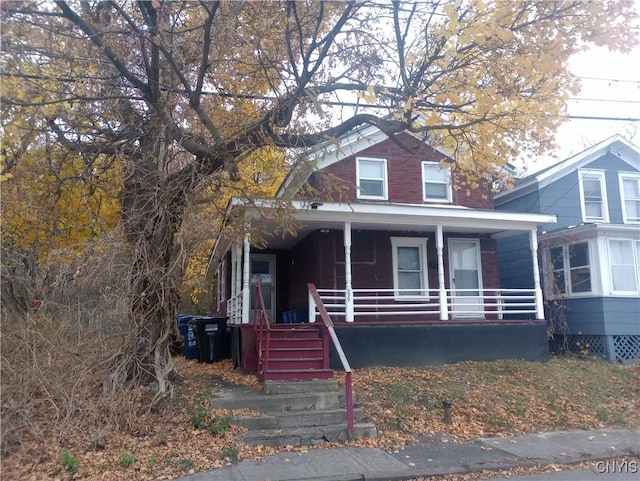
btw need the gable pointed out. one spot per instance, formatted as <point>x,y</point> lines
<point>614,154</point>
<point>405,166</point>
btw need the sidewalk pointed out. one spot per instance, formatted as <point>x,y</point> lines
<point>432,457</point>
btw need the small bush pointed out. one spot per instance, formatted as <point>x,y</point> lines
<point>71,463</point>
<point>127,459</point>
<point>229,453</point>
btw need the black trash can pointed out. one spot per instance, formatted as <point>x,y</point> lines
<point>211,336</point>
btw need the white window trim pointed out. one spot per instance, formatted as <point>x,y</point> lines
<point>421,243</point>
<point>449,198</point>
<point>566,270</point>
<point>635,266</point>
<point>603,185</point>
<point>385,179</point>
<point>621,177</point>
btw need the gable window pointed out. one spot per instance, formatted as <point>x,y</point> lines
<point>569,270</point>
<point>436,186</point>
<point>372,178</point>
<point>630,197</point>
<point>409,256</point>
<point>593,196</point>
<point>624,262</point>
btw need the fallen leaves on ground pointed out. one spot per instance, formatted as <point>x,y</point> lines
<point>489,399</point>
<point>499,398</point>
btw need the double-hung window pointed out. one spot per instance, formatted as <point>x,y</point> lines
<point>630,197</point>
<point>372,178</point>
<point>569,270</point>
<point>593,196</point>
<point>409,257</point>
<point>624,262</point>
<point>436,185</point>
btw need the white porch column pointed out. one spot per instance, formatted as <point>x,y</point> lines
<point>348,295</point>
<point>442,290</point>
<point>533,242</point>
<point>246,295</point>
<point>233,292</point>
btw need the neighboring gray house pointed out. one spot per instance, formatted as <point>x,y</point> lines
<point>590,259</point>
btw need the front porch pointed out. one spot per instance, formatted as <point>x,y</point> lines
<point>407,278</point>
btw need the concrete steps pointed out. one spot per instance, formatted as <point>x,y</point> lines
<point>304,413</point>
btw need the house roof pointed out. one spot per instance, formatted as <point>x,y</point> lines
<point>617,145</point>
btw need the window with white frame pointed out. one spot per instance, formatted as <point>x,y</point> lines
<point>624,262</point>
<point>630,197</point>
<point>436,185</point>
<point>593,196</point>
<point>409,256</point>
<point>568,270</point>
<point>372,178</point>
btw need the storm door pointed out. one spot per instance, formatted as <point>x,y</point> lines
<point>466,278</point>
<point>263,270</point>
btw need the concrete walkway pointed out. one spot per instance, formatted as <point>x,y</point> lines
<point>433,456</point>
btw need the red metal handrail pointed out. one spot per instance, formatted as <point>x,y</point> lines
<point>326,319</point>
<point>261,324</point>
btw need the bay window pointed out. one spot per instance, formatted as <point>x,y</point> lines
<point>624,261</point>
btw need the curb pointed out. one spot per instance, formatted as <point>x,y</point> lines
<point>429,473</point>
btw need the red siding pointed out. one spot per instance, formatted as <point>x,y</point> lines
<point>319,258</point>
<point>404,172</point>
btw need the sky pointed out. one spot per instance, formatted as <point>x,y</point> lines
<point>611,82</point>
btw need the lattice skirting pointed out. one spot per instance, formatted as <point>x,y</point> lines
<point>594,345</point>
<point>626,348</point>
<point>613,348</point>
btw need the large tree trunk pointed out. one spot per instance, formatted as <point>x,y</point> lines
<point>152,214</point>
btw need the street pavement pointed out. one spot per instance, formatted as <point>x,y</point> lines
<point>437,455</point>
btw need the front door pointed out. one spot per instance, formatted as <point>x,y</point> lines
<point>263,270</point>
<point>466,278</point>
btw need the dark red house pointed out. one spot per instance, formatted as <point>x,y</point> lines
<point>402,252</point>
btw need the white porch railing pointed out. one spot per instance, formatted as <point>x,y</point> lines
<point>234,309</point>
<point>461,303</point>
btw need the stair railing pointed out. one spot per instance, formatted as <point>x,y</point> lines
<point>328,323</point>
<point>263,328</point>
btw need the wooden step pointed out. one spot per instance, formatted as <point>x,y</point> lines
<point>295,343</point>
<point>295,334</point>
<point>295,353</point>
<point>295,363</point>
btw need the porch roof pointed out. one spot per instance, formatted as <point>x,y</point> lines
<point>310,216</point>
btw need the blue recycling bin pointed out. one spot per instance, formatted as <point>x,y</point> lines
<point>185,327</point>
<point>296,316</point>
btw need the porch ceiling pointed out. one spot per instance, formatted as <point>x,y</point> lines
<point>395,217</point>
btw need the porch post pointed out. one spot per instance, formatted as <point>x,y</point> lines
<point>348,296</point>
<point>232,295</point>
<point>238,268</point>
<point>442,290</point>
<point>245,280</point>
<point>533,242</point>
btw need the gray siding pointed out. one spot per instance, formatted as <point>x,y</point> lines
<point>622,315</point>
<point>585,316</point>
<point>514,259</point>
<point>599,316</point>
<point>562,197</point>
